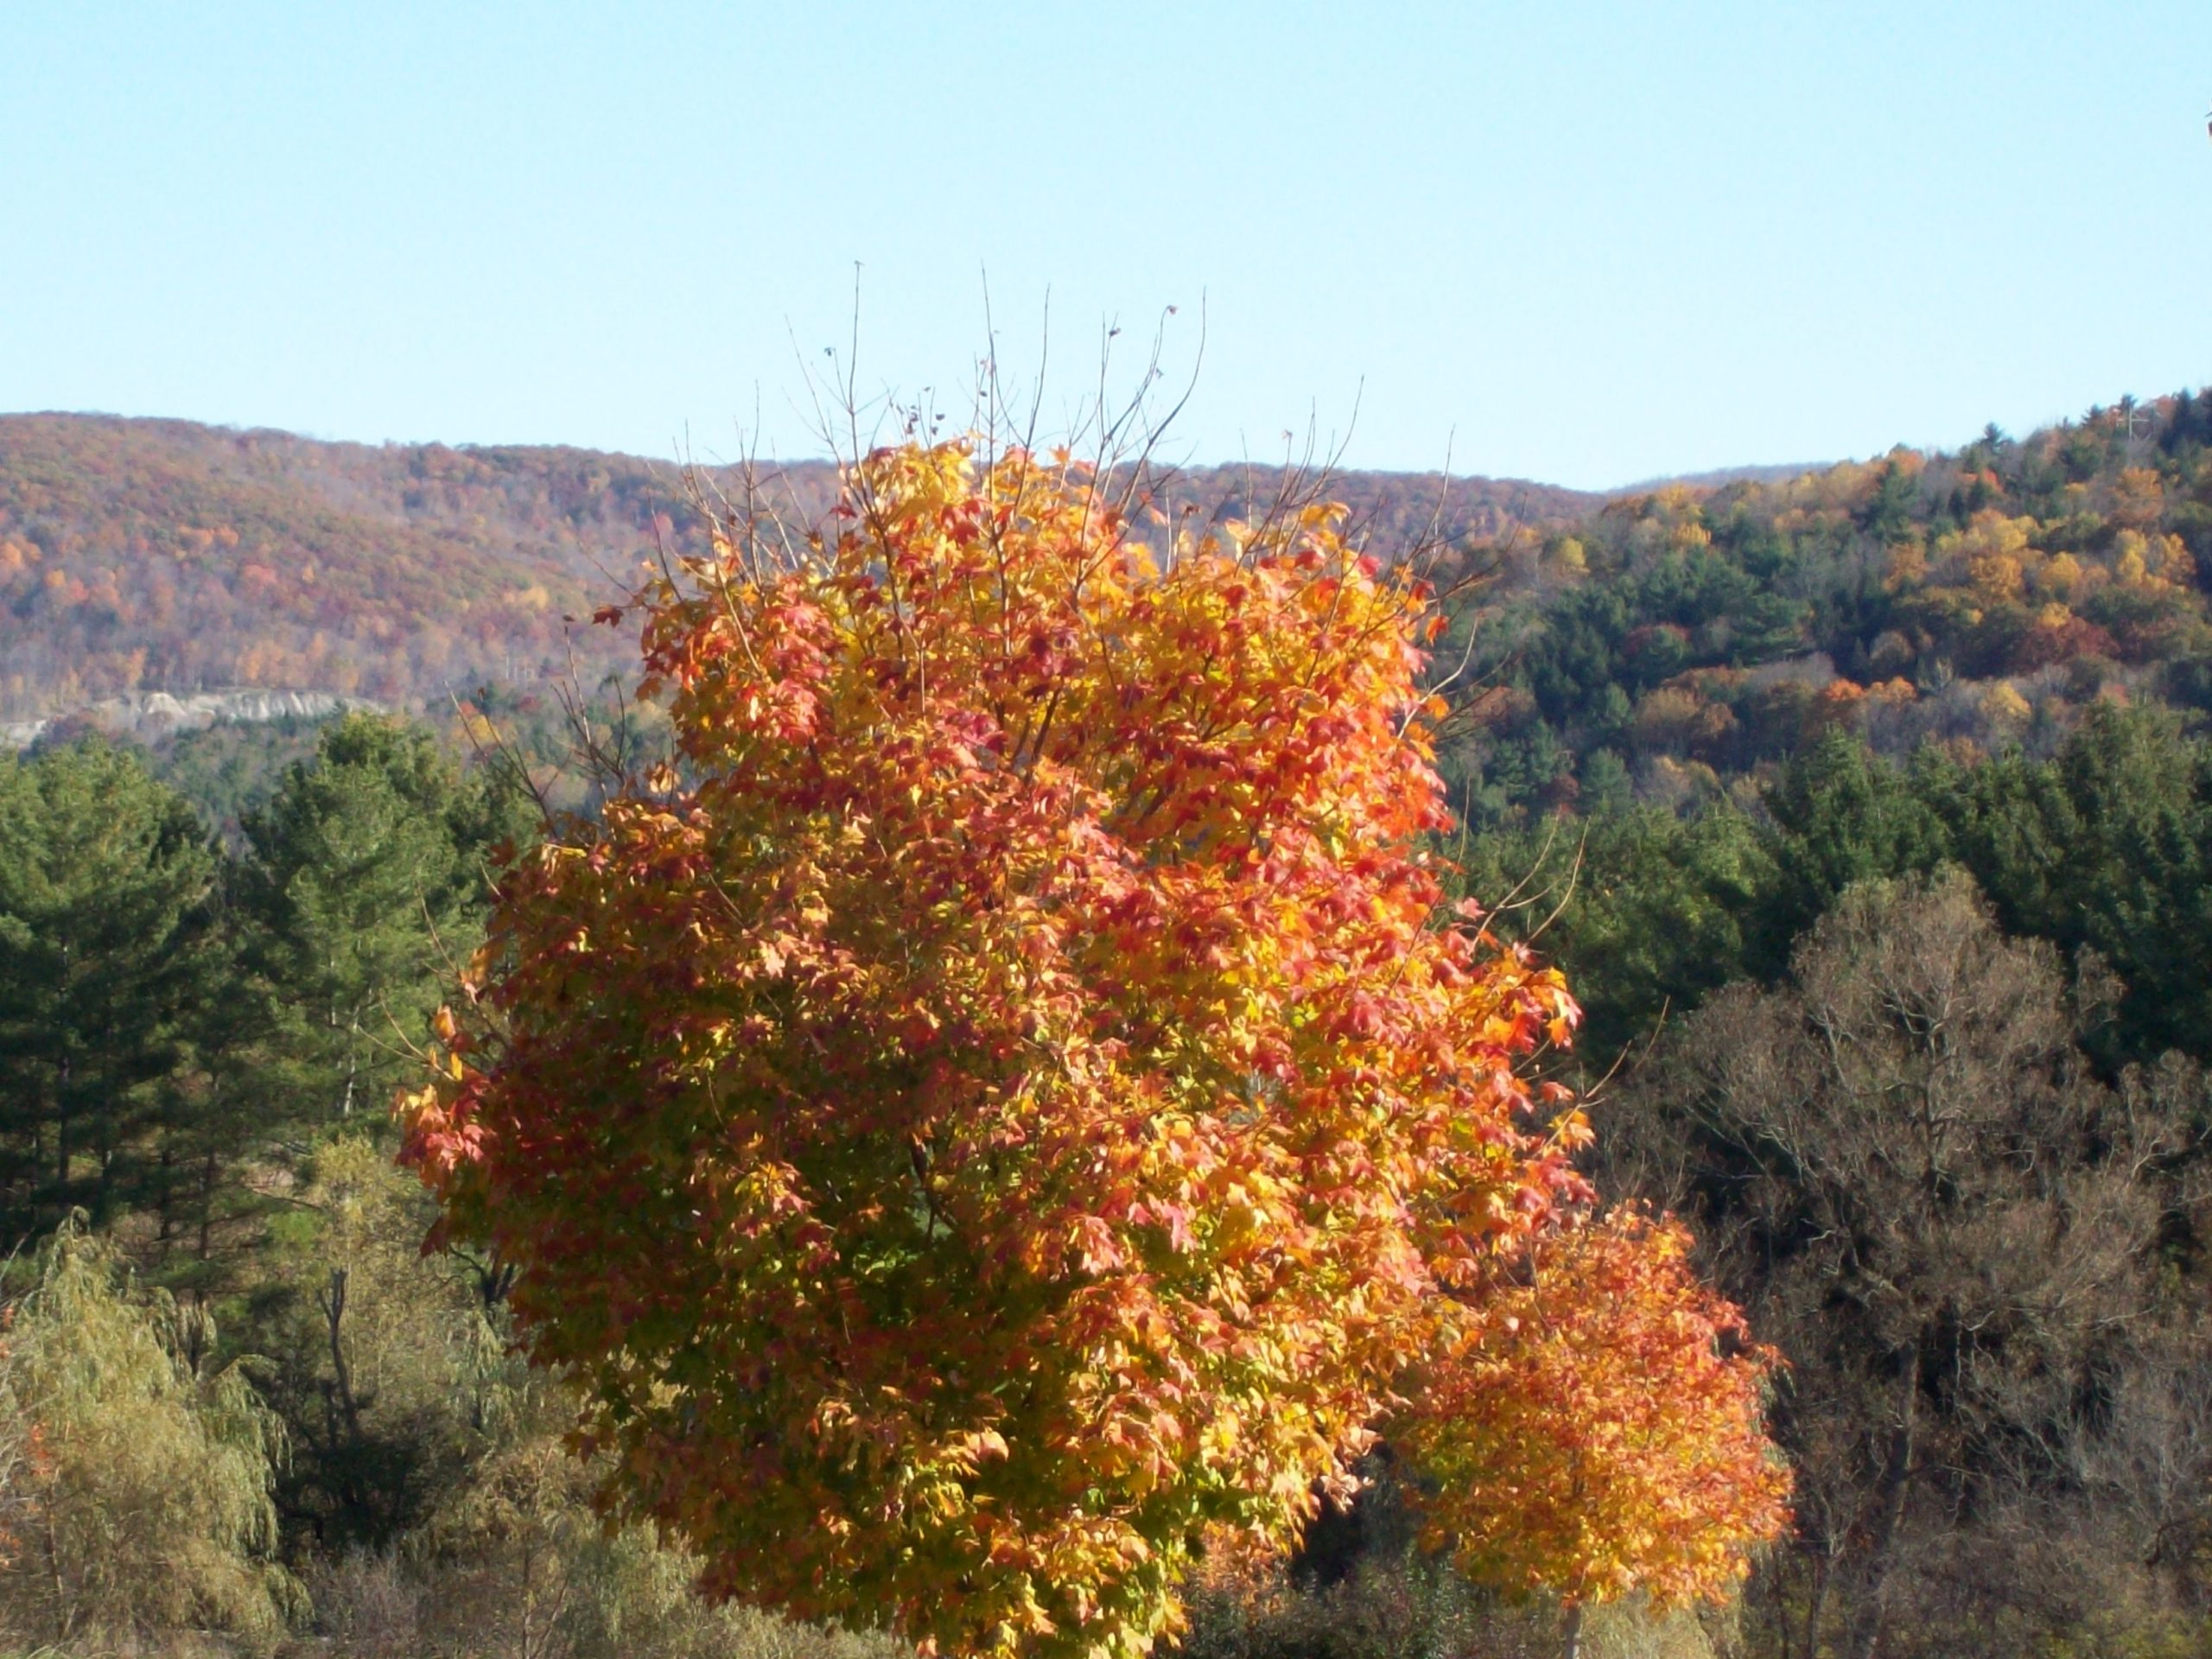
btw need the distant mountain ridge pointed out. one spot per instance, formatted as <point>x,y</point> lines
<point>141,556</point>
<point>1720,477</point>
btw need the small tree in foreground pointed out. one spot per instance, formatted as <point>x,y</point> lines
<point>1590,1433</point>
<point>1012,1105</point>
<point>147,1507</point>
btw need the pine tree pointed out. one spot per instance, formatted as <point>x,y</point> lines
<point>2108,846</point>
<point>108,954</point>
<point>363,880</point>
<point>1841,814</point>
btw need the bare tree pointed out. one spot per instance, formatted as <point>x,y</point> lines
<point>1912,1185</point>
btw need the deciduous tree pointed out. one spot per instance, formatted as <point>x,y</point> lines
<point>1013,1099</point>
<point>1597,1430</point>
<point>1925,1201</point>
<point>147,1510</point>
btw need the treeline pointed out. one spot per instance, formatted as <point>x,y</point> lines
<point>239,1403</point>
<point>2103,848</point>
<point>1654,643</point>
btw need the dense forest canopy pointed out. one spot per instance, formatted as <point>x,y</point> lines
<point>1869,814</point>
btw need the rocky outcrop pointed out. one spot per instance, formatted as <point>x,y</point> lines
<point>148,715</point>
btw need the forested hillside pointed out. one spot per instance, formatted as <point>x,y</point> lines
<point>163,556</point>
<point>1674,639</point>
<point>1870,815</point>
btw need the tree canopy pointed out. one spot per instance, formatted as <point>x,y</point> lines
<point>1012,1099</point>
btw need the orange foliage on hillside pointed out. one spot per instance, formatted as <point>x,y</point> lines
<point>160,555</point>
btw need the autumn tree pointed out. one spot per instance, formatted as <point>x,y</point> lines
<point>1011,1101</point>
<point>1597,1430</point>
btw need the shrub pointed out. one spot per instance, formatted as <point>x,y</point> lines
<point>149,1505</point>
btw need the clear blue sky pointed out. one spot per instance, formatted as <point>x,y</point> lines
<point>1580,242</point>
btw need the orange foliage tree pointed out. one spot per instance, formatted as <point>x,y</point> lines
<point>1594,1427</point>
<point>1013,1100</point>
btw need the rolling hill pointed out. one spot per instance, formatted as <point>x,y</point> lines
<point>157,555</point>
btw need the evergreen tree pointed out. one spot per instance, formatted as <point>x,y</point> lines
<point>108,956</point>
<point>1842,815</point>
<point>1646,911</point>
<point>364,878</point>
<point>1888,515</point>
<point>2108,846</point>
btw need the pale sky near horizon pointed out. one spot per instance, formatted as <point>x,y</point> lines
<point>1583,243</point>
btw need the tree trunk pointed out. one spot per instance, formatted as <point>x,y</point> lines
<point>207,1205</point>
<point>334,1308</point>
<point>164,1203</point>
<point>353,1065</point>
<point>1816,1614</point>
<point>1570,1633</point>
<point>61,1137</point>
<point>1896,1476</point>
